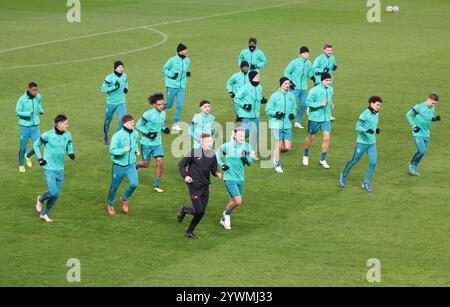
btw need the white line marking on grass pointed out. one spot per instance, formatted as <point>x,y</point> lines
<point>147,26</point>
<point>164,38</point>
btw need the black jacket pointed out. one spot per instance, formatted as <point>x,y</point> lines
<point>198,164</point>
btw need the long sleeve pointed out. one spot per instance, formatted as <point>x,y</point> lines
<point>19,110</point>
<point>360,125</point>
<point>115,148</point>
<point>37,146</point>
<point>214,166</point>
<point>262,60</point>
<point>311,100</point>
<point>219,153</point>
<point>167,69</point>
<point>410,115</point>
<point>270,107</point>
<point>289,70</point>
<point>108,86</point>
<point>184,163</point>
<point>317,66</point>
<point>241,58</point>
<point>70,146</point>
<point>140,126</point>
<point>230,84</point>
<point>239,99</point>
<point>40,109</point>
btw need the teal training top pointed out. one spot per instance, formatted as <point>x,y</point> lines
<point>256,57</point>
<point>201,123</point>
<point>317,112</point>
<point>252,95</point>
<point>236,82</point>
<point>56,146</point>
<point>367,120</point>
<point>115,95</point>
<point>179,66</point>
<point>119,141</point>
<point>299,71</point>
<point>284,102</point>
<point>421,116</point>
<point>28,110</point>
<point>234,159</point>
<point>320,63</point>
<point>151,121</point>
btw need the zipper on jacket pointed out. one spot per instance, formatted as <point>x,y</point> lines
<point>129,152</point>
<point>32,106</point>
<point>182,68</point>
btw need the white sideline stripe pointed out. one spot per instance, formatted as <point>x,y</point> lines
<point>164,39</point>
<point>147,26</point>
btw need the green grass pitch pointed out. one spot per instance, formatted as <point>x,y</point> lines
<point>294,229</point>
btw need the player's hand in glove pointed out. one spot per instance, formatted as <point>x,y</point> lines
<point>279,115</point>
<point>166,130</point>
<point>232,95</point>
<point>72,156</point>
<point>416,129</point>
<point>42,162</point>
<point>370,131</point>
<point>174,76</point>
<point>263,100</point>
<point>248,107</point>
<point>291,116</point>
<point>225,167</point>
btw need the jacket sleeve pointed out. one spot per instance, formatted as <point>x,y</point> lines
<point>230,84</point>
<point>184,163</point>
<point>309,72</point>
<point>108,86</point>
<point>115,148</point>
<point>262,60</point>
<point>270,107</point>
<point>289,70</point>
<point>311,100</point>
<point>140,126</point>
<point>40,109</point>
<point>37,145</point>
<point>69,147</point>
<point>294,107</point>
<point>240,58</point>
<point>317,67</point>
<point>126,83</point>
<point>214,166</point>
<point>411,115</point>
<point>19,110</point>
<point>167,69</point>
<point>360,124</point>
<point>239,99</point>
<point>219,153</point>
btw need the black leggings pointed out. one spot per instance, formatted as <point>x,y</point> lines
<point>199,198</point>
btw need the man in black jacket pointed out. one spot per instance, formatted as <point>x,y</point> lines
<point>196,168</point>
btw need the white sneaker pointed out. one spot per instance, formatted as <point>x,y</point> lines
<point>22,169</point>
<point>46,218</point>
<point>28,160</point>
<point>253,155</point>
<point>298,125</point>
<point>176,128</point>
<point>278,169</point>
<point>305,160</point>
<point>332,118</point>
<point>38,205</point>
<point>225,221</point>
<point>324,164</point>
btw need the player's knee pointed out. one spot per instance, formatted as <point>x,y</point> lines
<point>159,162</point>
<point>134,184</point>
<point>53,194</point>
<point>237,201</point>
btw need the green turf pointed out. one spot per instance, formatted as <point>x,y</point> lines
<point>294,229</point>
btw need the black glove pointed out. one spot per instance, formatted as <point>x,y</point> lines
<point>279,115</point>
<point>244,156</point>
<point>238,119</point>
<point>292,85</point>
<point>437,118</point>
<point>248,107</point>
<point>313,79</point>
<point>72,156</point>
<point>232,95</point>
<point>152,135</point>
<point>253,66</point>
<point>225,167</point>
<point>188,74</point>
<point>42,162</point>
<point>334,67</point>
<point>166,130</point>
<point>416,129</point>
<point>378,130</point>
<point>326,69</point>
<point>370,131</point>
<point>117,85</point>
<point>174,76</point>
<point>125,90</point>
<point>291,116</point>
<point>263,100</point>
